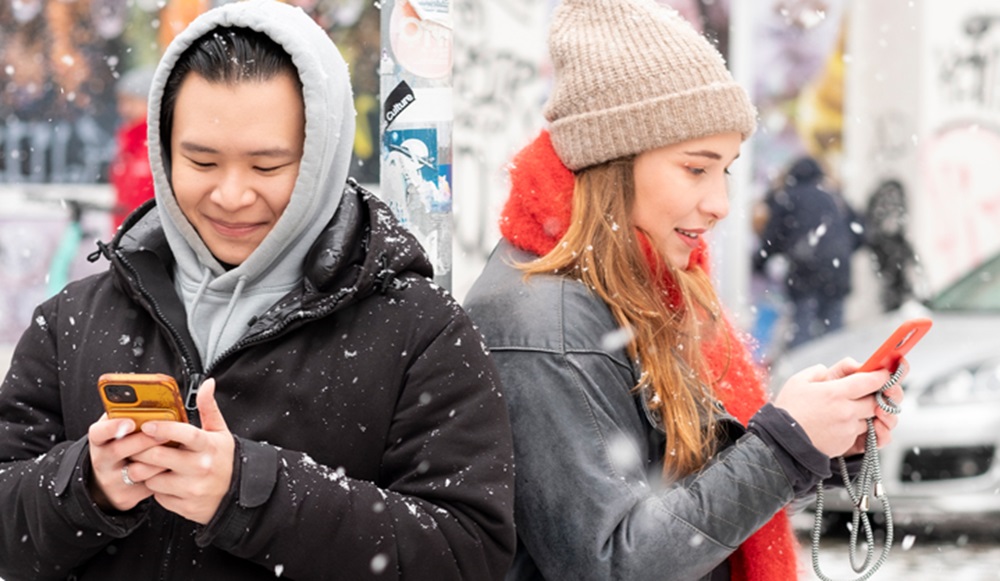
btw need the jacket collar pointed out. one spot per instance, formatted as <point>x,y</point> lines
<point>364,245</point>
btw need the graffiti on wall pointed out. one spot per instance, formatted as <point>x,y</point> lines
<point>500,84</point>
<point>961,181</point>
<point>892,135</point>
<point>969,67</point>
<point>959,173</point>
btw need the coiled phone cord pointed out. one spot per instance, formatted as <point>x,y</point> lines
<point>869,479</point>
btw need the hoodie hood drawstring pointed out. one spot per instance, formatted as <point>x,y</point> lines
<point>212,349</point>
<point>192,307</point>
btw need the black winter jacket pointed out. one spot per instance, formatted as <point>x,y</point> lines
<point>815,229</point>
<point>372,440</point>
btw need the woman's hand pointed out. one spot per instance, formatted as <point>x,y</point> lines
<point>884,421</point>
<point>192,478</point>
<point>832,406</point>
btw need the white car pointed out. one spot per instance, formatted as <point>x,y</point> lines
<point>942,463</point>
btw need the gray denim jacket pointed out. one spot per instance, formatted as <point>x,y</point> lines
<point>589,499</point>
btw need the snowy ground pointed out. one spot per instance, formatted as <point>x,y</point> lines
<point>928,553</point>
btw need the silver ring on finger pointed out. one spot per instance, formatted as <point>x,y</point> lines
<point>125,478</point>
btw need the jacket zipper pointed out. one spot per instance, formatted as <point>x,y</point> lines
<point>194,376</point>
<point>186,362</point>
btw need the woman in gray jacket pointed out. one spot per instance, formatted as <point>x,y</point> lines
<point>644,446</point>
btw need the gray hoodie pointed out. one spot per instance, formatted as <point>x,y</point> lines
<point>220,303</point>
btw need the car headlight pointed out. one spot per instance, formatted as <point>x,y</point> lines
<point>968,385</point>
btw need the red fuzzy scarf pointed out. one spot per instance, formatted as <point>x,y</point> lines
<point>535,218</point>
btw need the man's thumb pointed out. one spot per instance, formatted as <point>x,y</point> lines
<point>208,409</point>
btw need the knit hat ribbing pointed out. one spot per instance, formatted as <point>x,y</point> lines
<point>631,76</point>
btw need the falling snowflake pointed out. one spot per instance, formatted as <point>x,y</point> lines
<point>379,563</point>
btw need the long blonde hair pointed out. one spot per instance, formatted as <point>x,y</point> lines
<point>601,248</point>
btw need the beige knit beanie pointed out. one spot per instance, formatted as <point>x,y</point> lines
<point>632,75</point>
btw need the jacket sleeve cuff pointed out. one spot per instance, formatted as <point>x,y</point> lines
<point>803,463</point>
<point>70,486</point>
<point>255,474</point>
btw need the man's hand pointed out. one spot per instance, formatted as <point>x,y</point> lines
<point>192,478</point>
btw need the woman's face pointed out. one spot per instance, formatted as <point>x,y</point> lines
<point>681,192</point>
<point>235,152</point>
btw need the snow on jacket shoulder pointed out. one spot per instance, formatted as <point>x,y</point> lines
<point>372,439</point>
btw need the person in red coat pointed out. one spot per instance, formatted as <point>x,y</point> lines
<point>130,174</point>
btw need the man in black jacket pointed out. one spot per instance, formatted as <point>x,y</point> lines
<point>351,426</point>
<point>817,232</point>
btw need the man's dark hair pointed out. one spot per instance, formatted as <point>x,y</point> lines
<point>226,55</point>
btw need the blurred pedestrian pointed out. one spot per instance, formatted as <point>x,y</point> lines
<point>767,287</point>
<point>619,364</point>
<point>885,234</point>
<point>816,230</point>
<point>130,173</point>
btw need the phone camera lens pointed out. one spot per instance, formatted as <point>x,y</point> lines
<point>120,393</point>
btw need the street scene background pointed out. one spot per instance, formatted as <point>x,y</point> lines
<point>901,91</point>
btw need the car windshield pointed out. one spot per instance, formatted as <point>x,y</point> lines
<point>977,291</point>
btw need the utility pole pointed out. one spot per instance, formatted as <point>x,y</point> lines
<point>415,84</point>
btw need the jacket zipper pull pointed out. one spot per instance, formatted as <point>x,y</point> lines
<point>191,393</point>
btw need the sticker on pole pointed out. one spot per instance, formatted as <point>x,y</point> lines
<point>422,45</point>
<point>398,100</point>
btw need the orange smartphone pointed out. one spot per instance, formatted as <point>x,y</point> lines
<point>142,397</point>
<point>888,355</point>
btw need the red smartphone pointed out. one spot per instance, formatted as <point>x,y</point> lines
<point>888,355</point>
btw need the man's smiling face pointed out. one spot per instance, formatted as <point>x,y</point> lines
<point>236,151</point>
